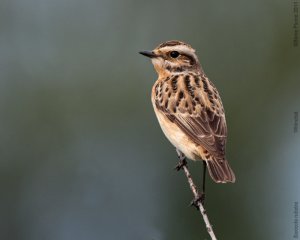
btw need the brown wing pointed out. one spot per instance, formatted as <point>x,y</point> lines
<point>194,105</point>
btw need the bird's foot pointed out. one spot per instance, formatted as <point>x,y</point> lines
<point>181,164</point>
<point>182,160</point>
<point>200,198</point>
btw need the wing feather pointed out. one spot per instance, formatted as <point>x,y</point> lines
<point>200,117</point>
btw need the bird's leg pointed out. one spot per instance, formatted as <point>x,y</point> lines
<point>182,160</point>
<point>201,195</point>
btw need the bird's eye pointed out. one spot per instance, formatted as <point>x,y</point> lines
<point>174,54</point>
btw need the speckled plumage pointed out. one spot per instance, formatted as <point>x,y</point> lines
<point>189,108</point>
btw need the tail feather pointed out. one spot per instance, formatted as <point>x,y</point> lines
<point>220,171</point>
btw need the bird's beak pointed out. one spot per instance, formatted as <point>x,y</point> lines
<point>149,54</point>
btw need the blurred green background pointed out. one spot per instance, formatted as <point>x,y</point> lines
<point>82,155</point>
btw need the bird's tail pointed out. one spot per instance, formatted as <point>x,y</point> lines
<point>220,171</point>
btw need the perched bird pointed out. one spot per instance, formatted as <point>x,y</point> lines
<point>189,108</point>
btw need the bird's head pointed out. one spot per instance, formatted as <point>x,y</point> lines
<point>173,56</point>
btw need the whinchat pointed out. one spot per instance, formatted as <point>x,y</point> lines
<point>189,108</point>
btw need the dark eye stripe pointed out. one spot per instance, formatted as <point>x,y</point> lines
<point>190,57</point>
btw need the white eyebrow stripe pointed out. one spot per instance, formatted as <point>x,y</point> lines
<point>179,48</point>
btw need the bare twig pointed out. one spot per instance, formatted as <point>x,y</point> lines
<point>199,204</point>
